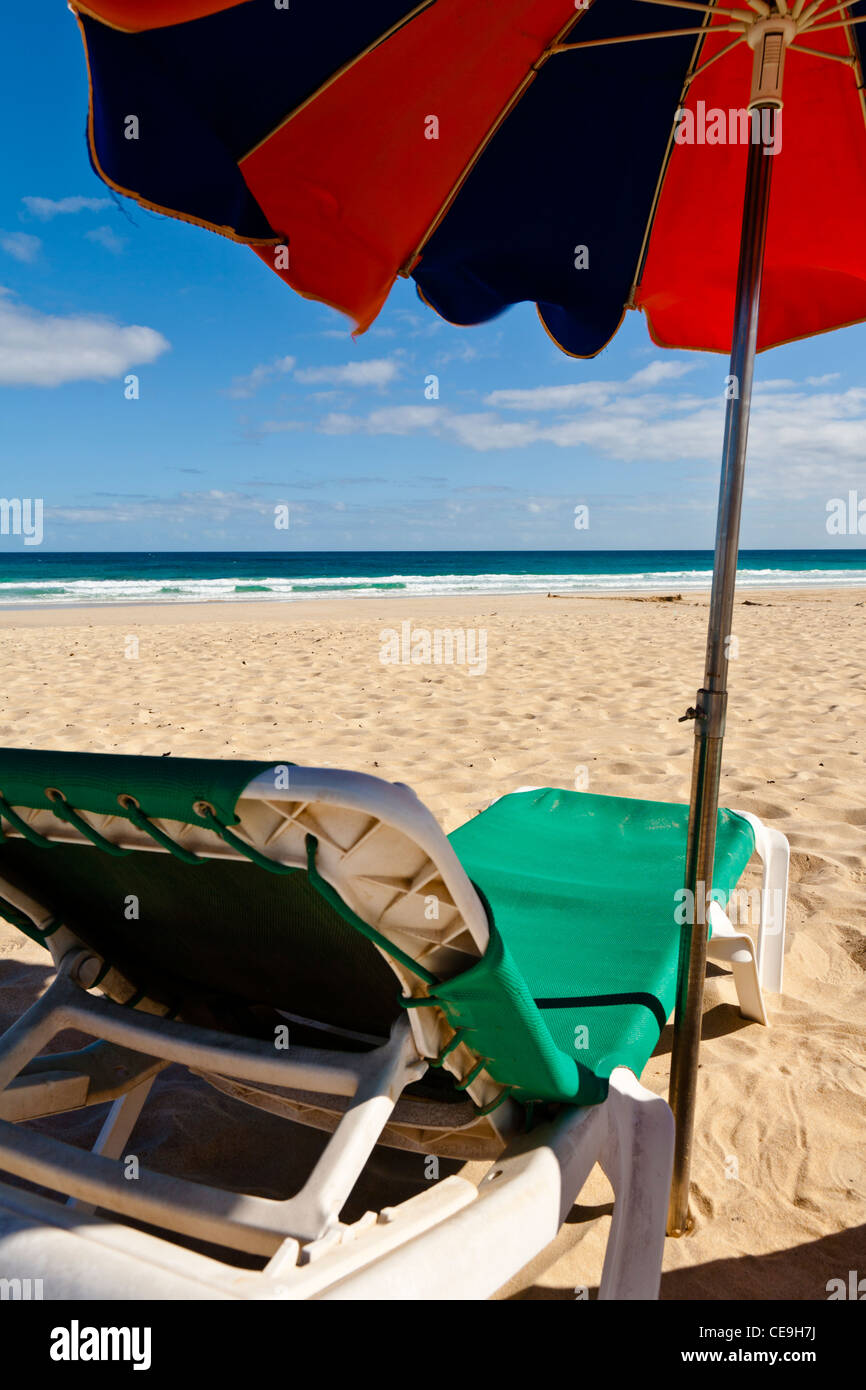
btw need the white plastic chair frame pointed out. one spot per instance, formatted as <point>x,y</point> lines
<point>380,849</point>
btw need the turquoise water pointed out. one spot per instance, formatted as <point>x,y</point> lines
<point>55,579</point>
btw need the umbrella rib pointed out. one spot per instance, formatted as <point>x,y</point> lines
<point>847,58</point>
<point>857,69</point>
<point>638,38</point>
<point>690,76</point>
<point>698,5</point>
<point>704,8</point>
<point>813,15</point>
<point>806,14</point>
<point>837,24</point>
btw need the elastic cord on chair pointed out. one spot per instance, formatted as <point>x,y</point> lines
<point>495,1104</point>
<point>63,811</point>
<point>332,896</point>
<point>135,814</point>
<point>475,1072</point>
<point>448,1048</point>
<point>22,827</point>
<point>213,823</point>
<point>19,919</point>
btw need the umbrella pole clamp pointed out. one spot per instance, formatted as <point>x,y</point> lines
<point>712,707</point>
<point>709,713</point>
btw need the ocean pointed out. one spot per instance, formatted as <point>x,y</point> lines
<point>58,579</point>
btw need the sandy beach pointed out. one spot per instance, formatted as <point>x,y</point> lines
<point>571,688</point>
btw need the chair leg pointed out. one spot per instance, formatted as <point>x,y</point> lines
<point>116,1129</point>
<point>638,1159</point>
<point>775,853</point>
<point>774,904</point>
<point>736,949</point>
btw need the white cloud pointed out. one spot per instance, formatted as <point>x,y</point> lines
<point>244,386</point>
<point>662,369</point>
<point>46,208</point>
<point>587,392</point>
<point>482,431</point>
<point>21,245</point>
<point>39,349</point>
<point>379,371</point>
<point>461,352</point>
<point>551,397</point>
<point>397,419</point>
<point>801,441</point>
<point>804,442</point>
<point>107,237</point>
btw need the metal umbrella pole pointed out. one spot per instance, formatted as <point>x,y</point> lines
<point>709,712</point>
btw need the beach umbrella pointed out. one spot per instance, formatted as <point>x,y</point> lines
<point>591,156</point>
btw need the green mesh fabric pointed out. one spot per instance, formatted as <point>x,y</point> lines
<point>212,940</point>
<point>581,890</point>
<point>491,1003</point>
<point>165,788</point>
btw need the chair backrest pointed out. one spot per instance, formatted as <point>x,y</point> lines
<point>242,885</point>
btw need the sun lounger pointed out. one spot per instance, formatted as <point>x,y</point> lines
<point>248,920</point>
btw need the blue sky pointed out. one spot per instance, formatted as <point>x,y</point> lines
<point>250,396</point>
